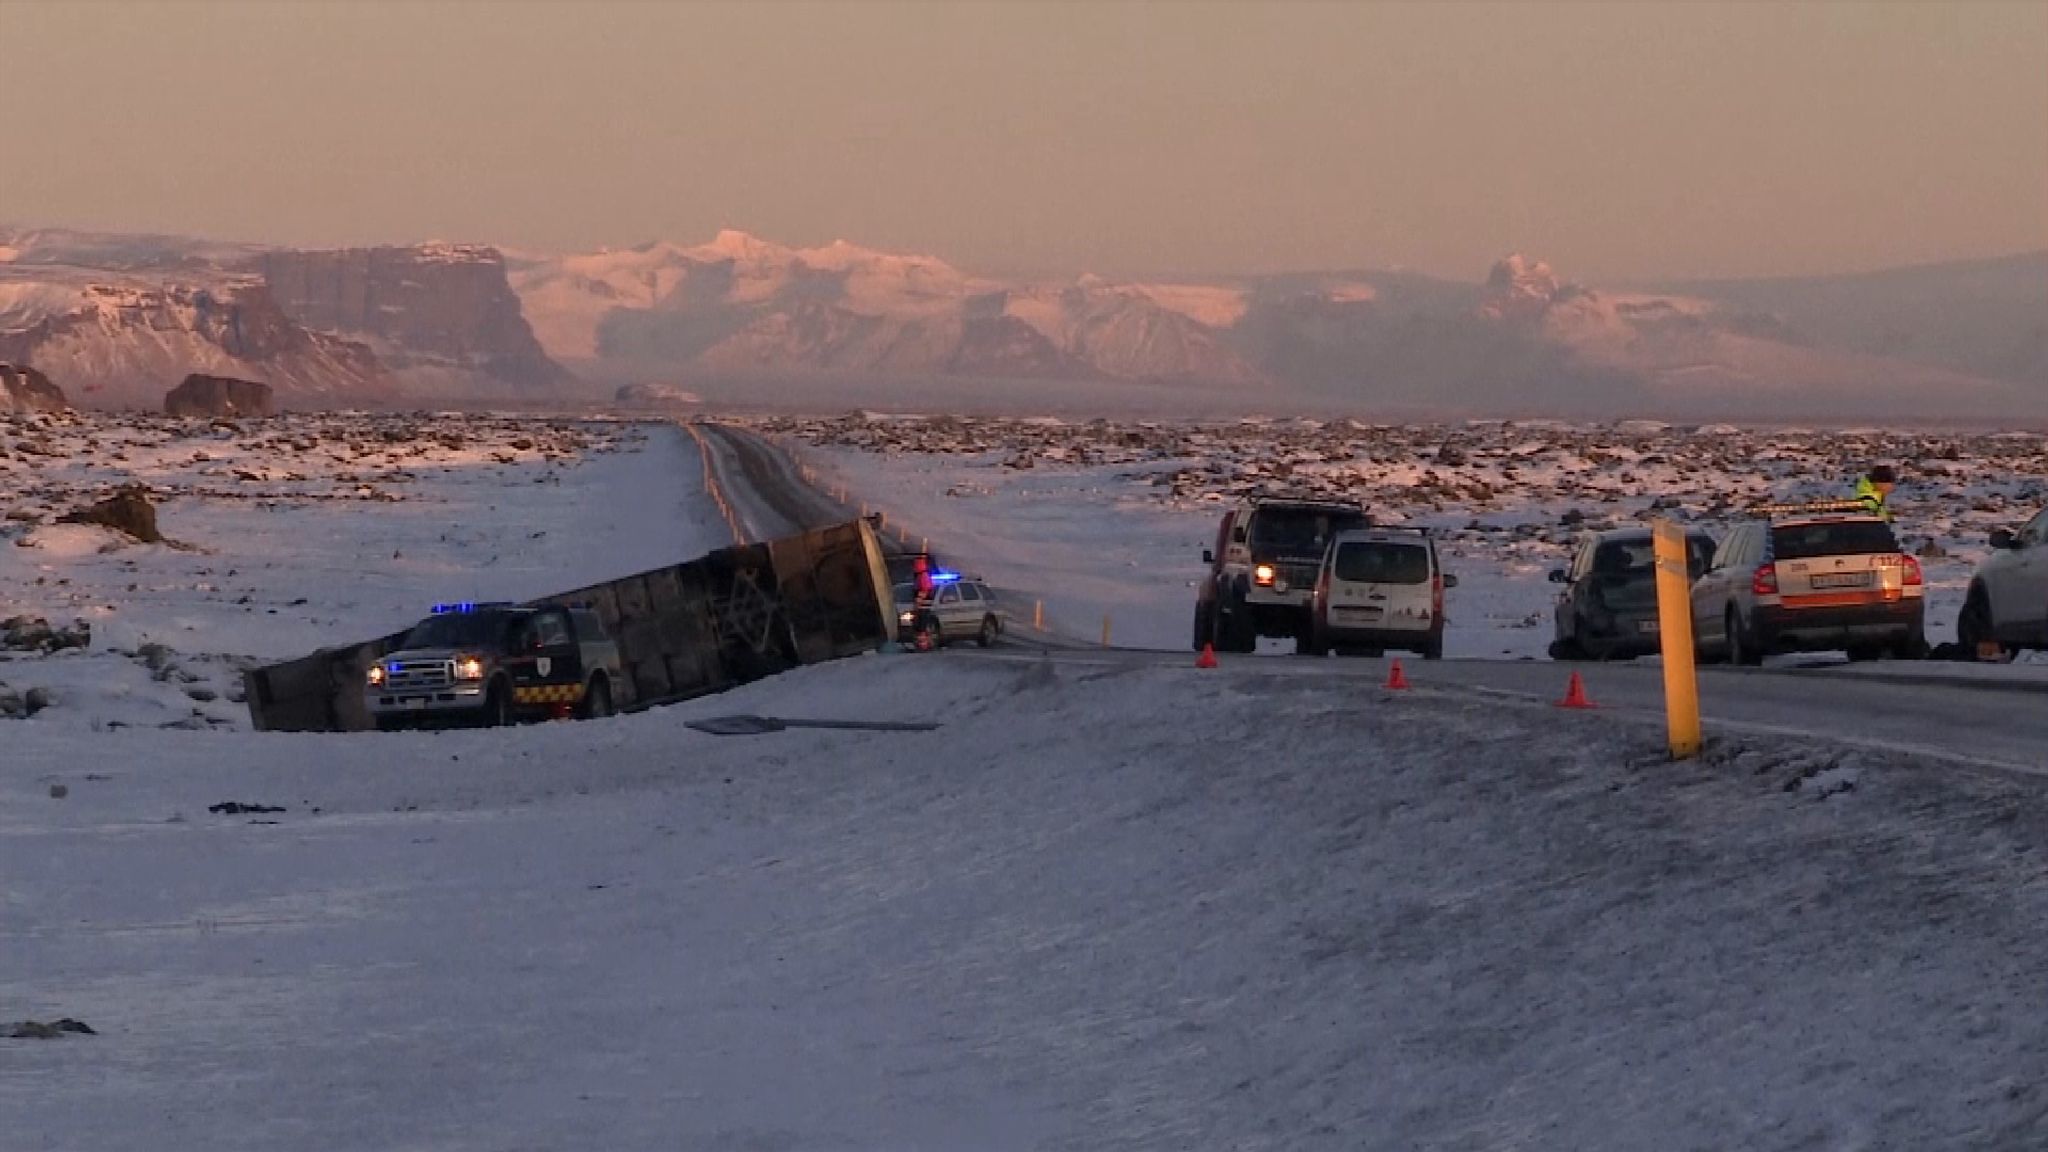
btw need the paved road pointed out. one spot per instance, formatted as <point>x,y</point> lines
<point>1984,723</point>
<point>1985,719</point>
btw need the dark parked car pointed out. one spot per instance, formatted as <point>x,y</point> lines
<point>1608,609</point>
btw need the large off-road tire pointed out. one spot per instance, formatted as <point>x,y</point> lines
<point>597,700</point>
<point>1742,650</point>
<point>1235,631</point>
<point>497,709</point>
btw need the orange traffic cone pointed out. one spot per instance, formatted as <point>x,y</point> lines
<point>1397,678</point>
<point>1208,657</point>
<point>1575,694</point>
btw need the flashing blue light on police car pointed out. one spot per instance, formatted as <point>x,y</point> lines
<point>945,577</point>
<point>466,607</point>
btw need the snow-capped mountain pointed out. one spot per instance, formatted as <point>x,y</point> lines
<point>1524,339</point>
<point>118,320</point>
<point>118,342</point>
<point>740,304</point>
<point>442,317</point>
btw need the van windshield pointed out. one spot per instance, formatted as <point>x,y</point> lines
<point>1380,563</point>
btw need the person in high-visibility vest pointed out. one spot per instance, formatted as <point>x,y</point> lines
<point>924,629</point>
<point>1875,488</point>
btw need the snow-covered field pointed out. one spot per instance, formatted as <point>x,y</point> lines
<point>1101,907</point>
<point>1107,904</point>
<point>291,534</point>
<point>1110,519</point>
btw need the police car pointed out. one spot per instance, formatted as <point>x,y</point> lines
<point>962,608</point>
<point>1808,578</point>
<point>495,664</point>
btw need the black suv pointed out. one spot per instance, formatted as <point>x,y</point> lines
<point>1608,609</point>
<point>495,664</point>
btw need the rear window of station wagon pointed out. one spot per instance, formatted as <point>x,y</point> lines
<point>1375,563</point>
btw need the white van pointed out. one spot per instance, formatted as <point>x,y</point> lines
<point>1380,588</point>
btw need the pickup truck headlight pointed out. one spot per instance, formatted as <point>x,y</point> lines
<point>375,676</point>
<point>469,668</point>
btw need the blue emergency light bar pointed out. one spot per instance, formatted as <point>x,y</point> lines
<point>466,607</point>
<point>945,577</point>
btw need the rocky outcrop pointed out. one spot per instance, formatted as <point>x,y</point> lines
<point>23,389</point>
<point>128,511</point>
<point>430,310</point>
<point>222,396</point>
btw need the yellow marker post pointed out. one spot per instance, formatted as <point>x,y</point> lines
<point>1038,616</point>
<point>1674,627</point>
<point>1105,630</point>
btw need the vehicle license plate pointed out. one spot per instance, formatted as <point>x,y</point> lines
<point>1840,580</point>
<point>1361,614</point>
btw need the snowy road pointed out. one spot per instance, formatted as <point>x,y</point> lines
<point>1990,723</point>
<point>1984,714</point>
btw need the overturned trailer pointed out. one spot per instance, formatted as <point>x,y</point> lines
<point>732,616</point>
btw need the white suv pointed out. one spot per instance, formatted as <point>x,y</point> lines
<point>1380,588</point>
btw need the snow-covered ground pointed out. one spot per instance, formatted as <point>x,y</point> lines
<point>1101,907</point>
<point>1110,518</point>
<point>293,534</point>
<point>1106,904</point>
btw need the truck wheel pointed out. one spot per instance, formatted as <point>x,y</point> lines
<point>1305,643</point>
<point>597,701</point>
<point>1236,631</point>
<point>497,709</point>
<point>1913,647</point>
<point>1205,623</point>
<point>987,637</point>
<point>1565,650</point>
<point>1433,648</point>
<point>390,723</point>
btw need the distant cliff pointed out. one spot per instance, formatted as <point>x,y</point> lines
<point>442,316</point>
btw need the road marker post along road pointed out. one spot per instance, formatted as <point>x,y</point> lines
<point>1674,627</point>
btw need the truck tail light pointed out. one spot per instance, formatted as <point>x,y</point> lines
<point>1914,577</point>
<point>1263,575</point>
<point>1765,581</point>
<point>1436,595</point>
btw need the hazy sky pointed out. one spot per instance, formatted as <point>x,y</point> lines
<point>1615,140</point>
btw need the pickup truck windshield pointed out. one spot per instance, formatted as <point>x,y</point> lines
<point>462,630</point>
